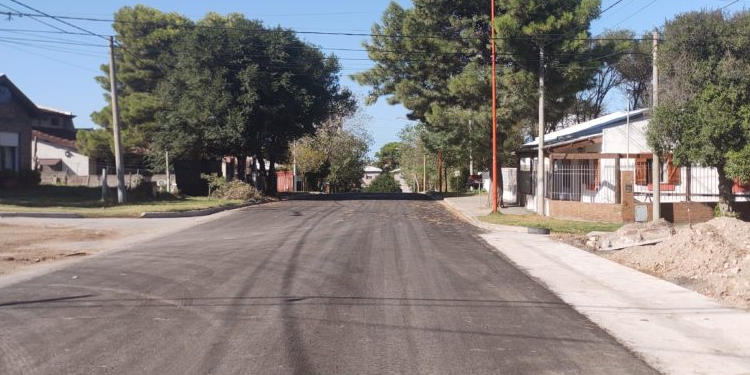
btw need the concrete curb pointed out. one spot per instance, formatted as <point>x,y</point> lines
<point>195,213</point>
<point>493,227</point>
<point>46,215</point>
<point>143,215</point>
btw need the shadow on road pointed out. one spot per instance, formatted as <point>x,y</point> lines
<point>357,197</point>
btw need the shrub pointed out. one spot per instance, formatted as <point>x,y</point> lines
<point>220,188</point>
<point>29,178</point>
<point>23,179</point>
<point>738,165</point>
<point>384,183</point>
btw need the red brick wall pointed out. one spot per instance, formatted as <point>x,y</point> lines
<point>605,212</point>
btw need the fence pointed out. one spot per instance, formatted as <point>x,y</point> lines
<point>96,180</point>
<point>586,181</point>
<point>681,184</point>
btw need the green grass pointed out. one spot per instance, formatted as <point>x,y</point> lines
<point>554,225</point>
<point>86,202</point>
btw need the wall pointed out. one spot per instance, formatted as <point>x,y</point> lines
<point>604,212</point>
<point>74,162</point>
<point>15,119</point>
<point>615,140</point>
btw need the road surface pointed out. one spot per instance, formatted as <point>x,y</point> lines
<point>343,284</point>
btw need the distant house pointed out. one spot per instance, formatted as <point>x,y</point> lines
<point>399,177</point>
<point>37,137</point>
<point>370,173</point>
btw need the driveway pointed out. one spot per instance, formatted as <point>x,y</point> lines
<point>343,284</point>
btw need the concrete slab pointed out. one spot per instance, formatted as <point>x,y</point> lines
<point>675,330</point>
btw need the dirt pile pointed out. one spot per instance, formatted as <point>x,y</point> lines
<point>630,235</point>
<point>712,258</point>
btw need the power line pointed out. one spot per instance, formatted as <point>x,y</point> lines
<point>72,43</point>
<point>33,18</point>
<point>35,31</point>
<point>730,4</point>
<point>610,7</point>
<point>59,20</point>
<point>311,32</point>
<point>636,13</point>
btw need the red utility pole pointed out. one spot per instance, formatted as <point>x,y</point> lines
<point>494,111</point>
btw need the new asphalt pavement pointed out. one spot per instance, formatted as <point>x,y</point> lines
<point>339,284</point>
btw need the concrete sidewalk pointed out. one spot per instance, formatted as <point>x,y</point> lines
<point>674,329</point>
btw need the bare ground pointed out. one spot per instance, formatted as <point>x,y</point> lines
<point>711,258</point>
<point>28,244</point>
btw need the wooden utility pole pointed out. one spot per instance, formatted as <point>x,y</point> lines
<point>540,153</point>
<point>471,156</point>
<point>121,194</point>
<point>494,111</point>
<point>440,170</point>
<point>169,177</point>
<point>656,164</point>
<point>424,171</point>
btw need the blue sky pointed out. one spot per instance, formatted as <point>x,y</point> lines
<point>61,76</point>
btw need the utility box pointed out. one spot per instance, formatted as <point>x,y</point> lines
<point>641,213</point>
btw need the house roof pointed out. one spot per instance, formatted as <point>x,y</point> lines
<point>588,129</point>
<point>57,138</point>
<point>55,111</point>
<point>372,169</point>
<point>49,162</point>
<point>27,102</point>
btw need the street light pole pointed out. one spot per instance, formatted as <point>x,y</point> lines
<point>494,111</point>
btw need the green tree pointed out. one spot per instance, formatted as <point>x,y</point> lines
<point>239,89</point>
<point>704,113</point>
<point>145,40</point>
<point>384,183</point>
<point>561,30</point>
<point>388,157</point>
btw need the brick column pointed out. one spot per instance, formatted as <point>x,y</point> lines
<point>626,196</point>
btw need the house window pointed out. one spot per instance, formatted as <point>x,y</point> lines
<point>8,158</point>
<point>669,174</point>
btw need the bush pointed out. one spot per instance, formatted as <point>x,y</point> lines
<point>220,188</point>
<point>29,178</point>
<point>23,179</point>
<point>384,183</point>
<point>738,165</point>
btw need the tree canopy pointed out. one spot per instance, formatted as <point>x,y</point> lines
<point>703,115</point>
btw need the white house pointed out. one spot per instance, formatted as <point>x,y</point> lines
<point>399,177</point>
<point>596,163</point>
<point>370,173</point>
<point>58,155</point>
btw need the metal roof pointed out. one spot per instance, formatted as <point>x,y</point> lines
<point>587,129</point>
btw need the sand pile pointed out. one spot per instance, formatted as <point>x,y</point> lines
<point>712,258</point>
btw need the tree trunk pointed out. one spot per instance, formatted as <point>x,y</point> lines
<point>262,173</point>
<point>272,178</point>
<point>726,196</point>
<point>440,171</point>
<point>241,168</point>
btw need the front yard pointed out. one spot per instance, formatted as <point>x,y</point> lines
<point>554,225</point>
<point>86,202</point>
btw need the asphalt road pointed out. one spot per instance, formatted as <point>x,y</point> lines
<point>341,285</point>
